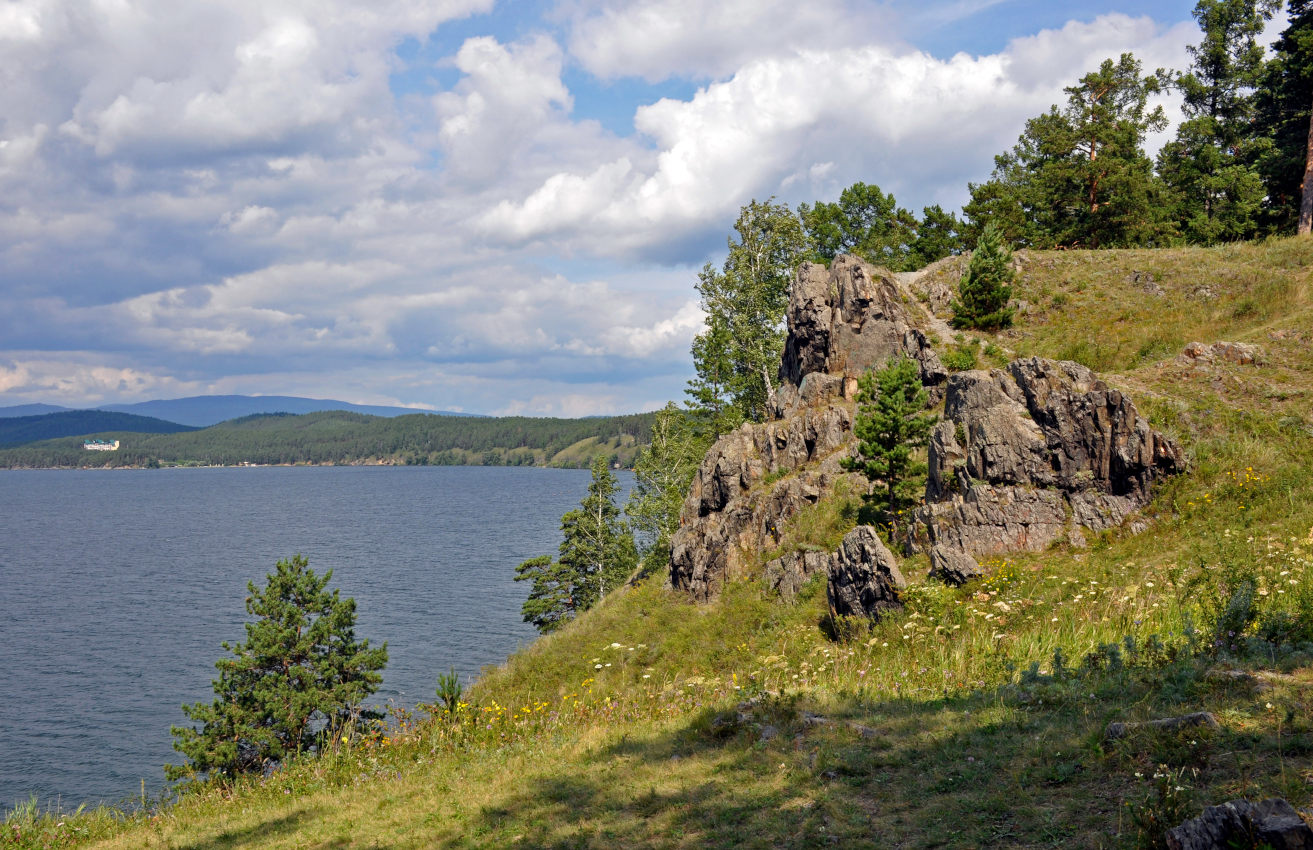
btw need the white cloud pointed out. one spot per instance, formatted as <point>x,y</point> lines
<point>917,125</point>
<point>228,196</point>
<point>656,39</point>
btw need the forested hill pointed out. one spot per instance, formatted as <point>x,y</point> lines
<point>27,429</point>
<point>339,437</point>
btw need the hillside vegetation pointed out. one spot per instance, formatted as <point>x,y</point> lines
<point>17,430</point>
<point>340,437</point>
<point>973,718</point>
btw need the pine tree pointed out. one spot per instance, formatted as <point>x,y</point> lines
<point>300,675</point>
<point>597,555</point>
<point>1079,176</point>
<point>1283,102</point>
<point>987,285</point>
<point>890,423</point>
<point>1210,165</point>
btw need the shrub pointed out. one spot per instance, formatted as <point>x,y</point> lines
<point>300,676</point>
<point>985,289</point>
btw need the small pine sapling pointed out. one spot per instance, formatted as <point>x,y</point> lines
<point>984,290</point>
<point>891,422</point>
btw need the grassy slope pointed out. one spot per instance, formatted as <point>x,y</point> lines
<point>927,731</point>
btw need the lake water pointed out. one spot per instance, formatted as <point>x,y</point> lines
<point>118,588</point>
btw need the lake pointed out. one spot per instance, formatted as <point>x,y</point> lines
<point>119,587</point>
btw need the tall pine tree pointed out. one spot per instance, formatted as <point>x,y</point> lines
<point>597,555</point>
<point>1209,167</point>
<point>1284,102</point>
<point>1079,177</point>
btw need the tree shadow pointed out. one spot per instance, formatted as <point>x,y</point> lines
<point>869,773</point>
<point>260,834</point>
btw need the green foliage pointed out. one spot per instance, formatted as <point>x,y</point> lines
<point>300,676</point>
<point>961,358</point>
<point>985,289</point>
<point>739,352</point>
<point>870,224</point>
<point>597,555</point>
<point>890,422</point>
<point>865,222</point>
<point>1166,806</point>
<point>663,472</point>
<point>449,692</point>
<point>1079,176</point>
<point>1282,104</point>
<point>1209,166</point>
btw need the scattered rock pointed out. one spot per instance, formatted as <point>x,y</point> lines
<point>864,576</point>
<point>1241,353</point>
<point>1147,282</point>
<point>1239,823</point>
<point>1199,718</point>
<point>952,565</point>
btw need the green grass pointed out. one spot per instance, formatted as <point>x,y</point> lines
<point>974,718</point>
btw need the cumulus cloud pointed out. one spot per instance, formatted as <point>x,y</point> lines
<point>815,120</point>
<point>231,197</point>
<point>656,39</point>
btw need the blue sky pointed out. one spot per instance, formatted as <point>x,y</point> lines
<point>464,204</point>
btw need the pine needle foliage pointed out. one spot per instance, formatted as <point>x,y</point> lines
<point>596,556</point>
<point>891,421</point>
<point>298,678</point>
<point>985,289</point>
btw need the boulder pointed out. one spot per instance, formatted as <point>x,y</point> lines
<point>864,576</point>
<point>1240,823</point>
<point>1241,353</point>
<point>1119,729</point>
<point>1033,455</point>
<point>952,565</point>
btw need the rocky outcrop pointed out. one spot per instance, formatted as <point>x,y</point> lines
<point>864,576</point>
<point>1026,456</point>
<point>1032,455</point>
<point>842,320</point>
<point>1240,823</point>
<point>786,575</point>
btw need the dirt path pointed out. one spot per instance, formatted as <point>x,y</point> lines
<point>937,326</point>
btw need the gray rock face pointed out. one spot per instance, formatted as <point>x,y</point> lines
<point>952,565</point>
<point>842,320</point>
<point>864,576</point>
<point>787,575</point>
<point>1239,823</point>
<point>1034,455</point>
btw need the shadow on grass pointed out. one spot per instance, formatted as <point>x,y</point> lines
<point>1021,765</point>
<point>260,834</point>
<point>961,772</point>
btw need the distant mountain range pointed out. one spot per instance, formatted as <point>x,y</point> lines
<point>16,430</point>
<point>205,410</point>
